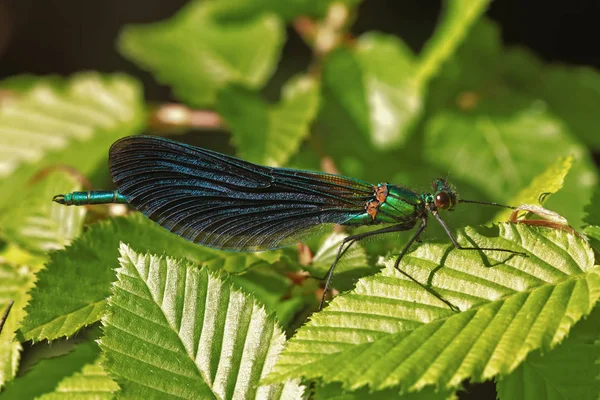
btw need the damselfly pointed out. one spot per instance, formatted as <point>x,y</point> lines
<point>226,203</point>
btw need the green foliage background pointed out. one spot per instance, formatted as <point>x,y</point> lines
<point>180,320</point>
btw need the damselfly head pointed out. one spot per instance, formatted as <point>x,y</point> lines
<point>444,195</point>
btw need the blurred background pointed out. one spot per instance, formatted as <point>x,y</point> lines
<point>66,36</point>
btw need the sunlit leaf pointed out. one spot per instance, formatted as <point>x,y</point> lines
<point>15,281</point>
<point>210,340</point>
<point>351,266</point>
<point>270,134</point>
<point>571,371</point>
<point>71,291</point>
<point>197,54</point>
<point>37,223</point>
<point>548,182</point>
<point>390,332</point>
<point>64,122</point>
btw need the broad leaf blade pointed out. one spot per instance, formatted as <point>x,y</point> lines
<point>57,122</point>
<point>76,374</point>
<point>14,284</point>
<point>382,85</point>
<point>270,134</point>
<point>40,225</point>
<point>459,16</point>
<point>505,152</point>
<point>351,266</point>
<point>210,340</point>
<point>513,135</point>
<point>571,371</point>
<point>71,291</point>
<point>209,54</point>
<point>548,182</point>
<point>512,306</point>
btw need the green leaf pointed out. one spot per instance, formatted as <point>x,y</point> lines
<point>267,134</point>
<point>15,281</point>
<point>209,340</point>
<point>382,85</point>
<point>592,219</point>
<point>548,182</point>
<point>57,122</point>
<point>375,87</point>
<point>351,266</point>
<point>77,374</point>
<point>390,332</point>
<point>592,216</point>
<point>569,91</point>
<point>197,54</point>
<point>513,134</point>
<point>505,152</point>
<point>571,371</point>
<point>334,391</point>
<point>71,291</point>
<point>38,224</point>
<point>459,16</point>
<point>289,10</point>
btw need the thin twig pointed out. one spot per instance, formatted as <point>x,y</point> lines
<point>174,115</point>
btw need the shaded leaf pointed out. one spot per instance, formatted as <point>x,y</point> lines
<point>71,291</point>
<point>76,374</point>
<point>374,86</point>
<point>569,91</point>
<point>513,136</point>
<point>209,54</point>
<point>236,9</point>
<point>15,281</point>
<point>351,266</point>
<point>209,341</point>
<point>390,332</point>
<point>504,152</point>
<point>548,182</point>
<point>266,134</point>
<point>382,85</point>
<point>57,122</point>
<point>571,371</point>
<point>38,224</point>
<point>458,18</point>
<point>334,391</point>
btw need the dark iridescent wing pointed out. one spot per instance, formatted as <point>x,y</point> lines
<point>226,203</point>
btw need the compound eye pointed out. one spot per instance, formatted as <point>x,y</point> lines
<point>442,200</point>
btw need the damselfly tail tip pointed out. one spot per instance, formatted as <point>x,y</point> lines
<point>59,198</point>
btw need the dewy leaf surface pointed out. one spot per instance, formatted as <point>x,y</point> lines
<point>209,340</point>
<point>197,54</point>
<point>270,134</point>
<point>390,332</point>
<point>64,122</point>
<point>71,291</point>
<point>15,281</point>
